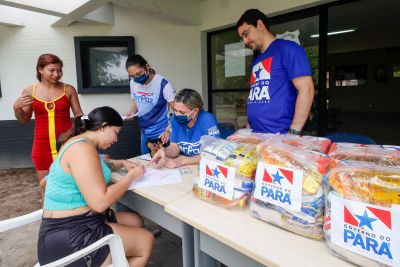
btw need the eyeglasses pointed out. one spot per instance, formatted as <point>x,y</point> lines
<point>246,32</point>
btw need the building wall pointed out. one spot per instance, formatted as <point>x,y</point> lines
<point>222,13</point>
<point>172,50</point>
<point>219,14</point>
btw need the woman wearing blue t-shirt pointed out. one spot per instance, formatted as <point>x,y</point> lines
<point>151,93</point>
<point>189,123</point>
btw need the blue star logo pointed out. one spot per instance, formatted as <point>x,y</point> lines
<point>277,177</point>
<point>365,220</point>
<point>257,73</point>
<point>216,172</point>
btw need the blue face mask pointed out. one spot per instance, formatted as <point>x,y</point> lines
<point>142,79</point>
<point>182,119</point>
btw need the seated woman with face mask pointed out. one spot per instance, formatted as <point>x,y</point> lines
<point>189,123</point>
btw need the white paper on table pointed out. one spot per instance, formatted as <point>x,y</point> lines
<point>145,157</point>
<point>153,177</point>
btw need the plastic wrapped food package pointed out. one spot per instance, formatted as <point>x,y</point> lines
<point>308,222</point>
<point>362,213</point>
<point>217,155</point>
<point>295,204</point>
<point>312,143</point>
<point>240,199</point>
<point>319,144</point>
<point>366,182</point>
<point>381,155</point>
<point>313,164</point>
<point>247,136</point>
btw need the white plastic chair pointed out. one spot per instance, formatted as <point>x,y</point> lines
<point>112,240</point>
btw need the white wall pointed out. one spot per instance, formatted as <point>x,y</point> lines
<point>172,50</point>
<point>220,13</point>
<point>177,52</point>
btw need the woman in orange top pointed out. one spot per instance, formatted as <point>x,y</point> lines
<point>51,101</point>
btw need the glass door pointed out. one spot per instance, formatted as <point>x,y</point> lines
<point>229,64</point>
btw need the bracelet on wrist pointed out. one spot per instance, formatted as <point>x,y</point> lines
<point>294,131</point>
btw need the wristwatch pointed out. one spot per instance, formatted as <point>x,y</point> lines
<point>294,131</point>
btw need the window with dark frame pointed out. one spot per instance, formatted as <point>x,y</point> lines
<point>101,63</point>
<point>229,68</point>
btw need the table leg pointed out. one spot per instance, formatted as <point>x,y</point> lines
<point>202,259</point>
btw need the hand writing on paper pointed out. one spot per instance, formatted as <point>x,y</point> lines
<point>136,173</point>
<point>130,164</point>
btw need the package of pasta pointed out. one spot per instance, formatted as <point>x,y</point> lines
<point>302,223</point>
<point>380,154</point>
<point>362,214</point>
<point>288,188</point>
<point>313,143</point>
<point>226,172</point>
<point>247,136</point>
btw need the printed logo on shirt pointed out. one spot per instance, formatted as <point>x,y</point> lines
<point>213,131</point>
<point>363,228</point>
<point>190,149</point>
<point>144,97</point>
<point>217,178</point>
<point>259,82</point>
<point>279,186</point>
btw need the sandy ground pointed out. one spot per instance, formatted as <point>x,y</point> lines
<point>20,194</point>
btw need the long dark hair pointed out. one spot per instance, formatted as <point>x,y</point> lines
<point>97,118</point>
<point>138,60</point>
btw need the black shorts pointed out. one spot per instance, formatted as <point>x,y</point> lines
<point>60,237</point>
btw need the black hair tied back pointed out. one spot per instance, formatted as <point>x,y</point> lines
<point>82,124</point>
<point>97,118</point>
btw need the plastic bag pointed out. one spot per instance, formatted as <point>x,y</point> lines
<point>319,144</point>
<point>365,182</point>
<point>313,164</point>
<point>242,157</point>
<point>381,155</point>
<point>247,136</point>
<point>280,161</point>
<point>359,215</point>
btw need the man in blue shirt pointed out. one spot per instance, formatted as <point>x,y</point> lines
<point>281,87</point>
